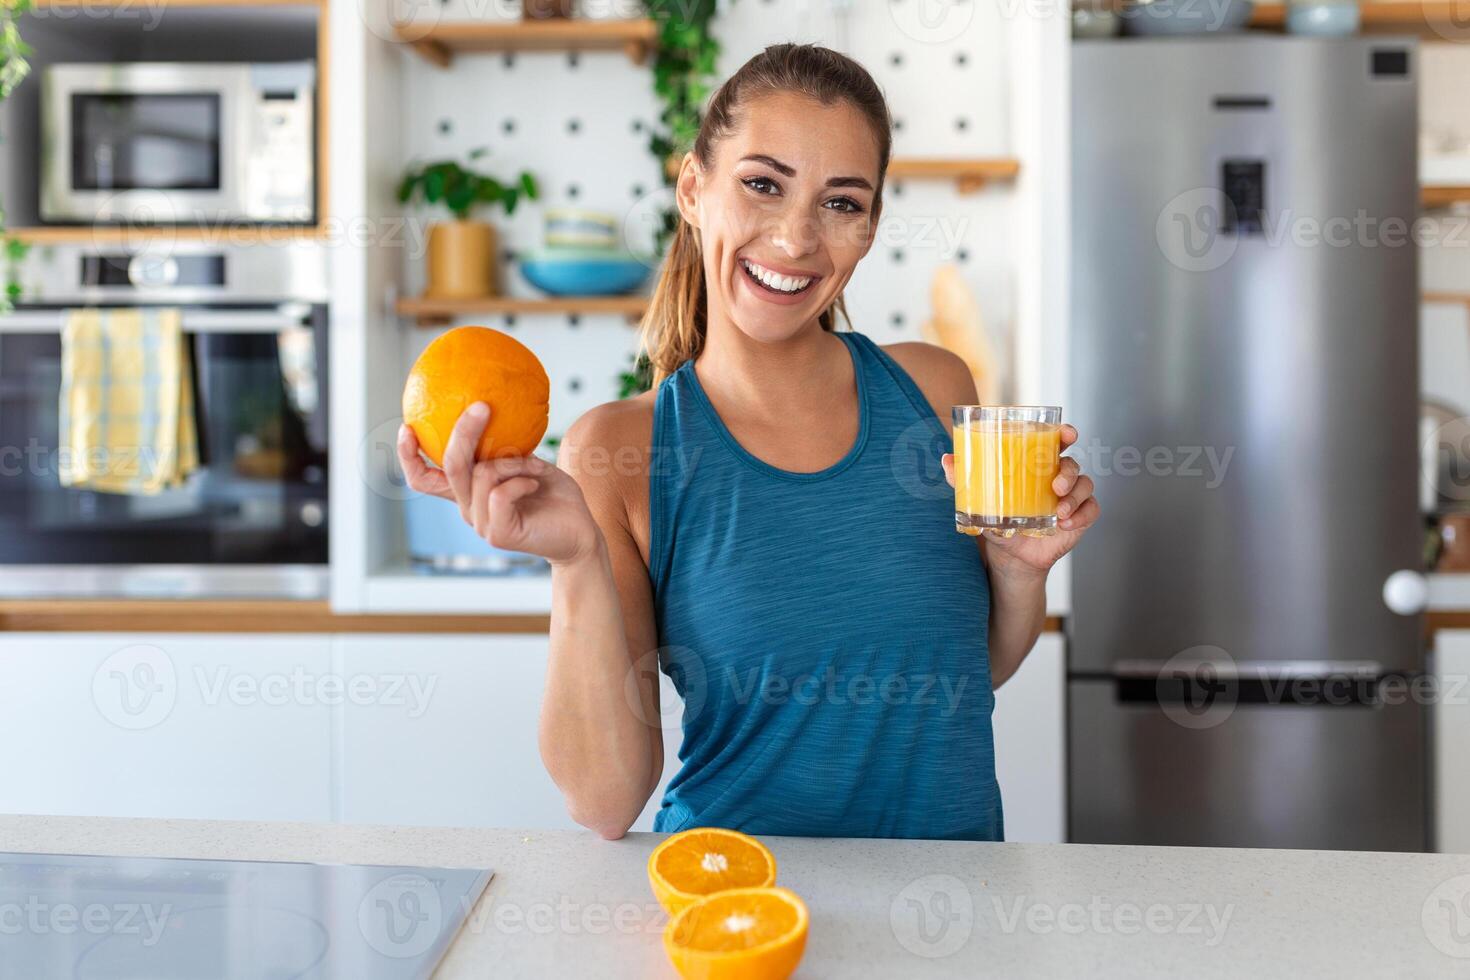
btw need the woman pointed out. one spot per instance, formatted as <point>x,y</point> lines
<point>758,525</point>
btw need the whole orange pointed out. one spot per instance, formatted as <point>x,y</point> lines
<point>476,364</point>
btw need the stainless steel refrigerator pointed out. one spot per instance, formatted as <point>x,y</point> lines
<point>1244,374</point>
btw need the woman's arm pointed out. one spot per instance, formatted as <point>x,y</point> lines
<point>1017,566</point>
<point>599,732</point>
<point>600,738</point>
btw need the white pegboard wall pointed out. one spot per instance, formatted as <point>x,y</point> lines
<point>581,123</point>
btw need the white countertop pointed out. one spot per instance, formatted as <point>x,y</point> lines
<point>569,904</point>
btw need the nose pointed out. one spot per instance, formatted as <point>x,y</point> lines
<point>795,233</point>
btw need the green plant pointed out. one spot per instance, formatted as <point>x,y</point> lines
<point>638,380</point>
<point>683,77</point>
<point>461,190</point>
<point>13,69</point>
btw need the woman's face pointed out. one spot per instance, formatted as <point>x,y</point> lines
<point>785,213</point>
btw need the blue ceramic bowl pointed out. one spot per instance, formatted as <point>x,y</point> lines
<point>584,273</point>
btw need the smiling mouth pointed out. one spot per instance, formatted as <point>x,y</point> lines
<point>773,283</point>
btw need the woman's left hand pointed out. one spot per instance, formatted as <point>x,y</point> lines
<point>1077,510</point>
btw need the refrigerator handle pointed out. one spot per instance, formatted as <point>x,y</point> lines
<point>1406,592</point>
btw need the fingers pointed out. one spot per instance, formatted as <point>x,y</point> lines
<point>419,475</point>
<point>459,455</point>
<point>1083,517</point>
<point>947,461</point>
<point>1069,509</point>
<point>489,498</point>
<point>1069,435</point>
<point>1066,477</point>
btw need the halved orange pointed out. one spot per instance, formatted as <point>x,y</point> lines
<point>739,934</point>
<point>698,862</point>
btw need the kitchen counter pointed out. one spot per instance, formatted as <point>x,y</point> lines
<point>569,904</point>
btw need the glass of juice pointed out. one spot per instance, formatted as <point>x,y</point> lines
<point>1005,459</point>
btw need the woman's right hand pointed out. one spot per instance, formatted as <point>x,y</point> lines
<point>519,503</point>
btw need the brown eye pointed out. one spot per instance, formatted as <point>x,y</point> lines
<point>753,183</point>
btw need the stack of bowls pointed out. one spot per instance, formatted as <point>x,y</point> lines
<point>581,257</point>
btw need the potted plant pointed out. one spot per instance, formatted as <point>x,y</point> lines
<point>13,68</point>
<point>463,257</point>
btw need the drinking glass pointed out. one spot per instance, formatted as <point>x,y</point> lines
<point>1005,459</point>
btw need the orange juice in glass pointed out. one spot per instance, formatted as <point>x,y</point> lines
<point>1005,459</point>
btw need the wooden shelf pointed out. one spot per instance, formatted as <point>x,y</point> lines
<point>440,43</point>
<point>969,175</point>
<point>1449,299</point>
<point>1440,20</point>
<point>238,616</point>
<point>103,235</point>
<point>1444,195</point>
<point>437,312</point>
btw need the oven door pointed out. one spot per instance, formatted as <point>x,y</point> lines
<point>144,143</point>
<point>250,521</point>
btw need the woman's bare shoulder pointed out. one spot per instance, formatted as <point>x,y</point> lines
<point>940,374</point>
<point>615,425</point>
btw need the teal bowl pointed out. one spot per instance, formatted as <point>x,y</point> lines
<point>584,273</point>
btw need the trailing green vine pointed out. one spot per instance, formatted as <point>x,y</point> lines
<point>683,78</point>
<point>13,69</point>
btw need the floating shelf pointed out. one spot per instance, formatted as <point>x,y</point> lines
<point>440,43</point>
<point>969,175</point>
<point>1432,19</point>
<point>1444,195</point>
<point>437,312</point>
<point>1451,299</point>
<point>106,235</point>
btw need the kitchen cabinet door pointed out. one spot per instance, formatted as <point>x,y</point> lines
<point>210,726</point>
<point>455,744</point>
<point>1450,741</point>
<point>1030,745</point>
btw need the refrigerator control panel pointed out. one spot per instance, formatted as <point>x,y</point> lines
<point>1244,183</point>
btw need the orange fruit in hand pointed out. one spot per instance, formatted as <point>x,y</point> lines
<point>695,863</point>
<point>476,364</point>
<point>741,934</point>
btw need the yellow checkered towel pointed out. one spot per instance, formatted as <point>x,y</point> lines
<point>127,401</point>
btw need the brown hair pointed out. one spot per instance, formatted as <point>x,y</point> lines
<point>673,329</point>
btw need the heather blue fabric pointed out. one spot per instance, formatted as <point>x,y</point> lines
<point>827,630</point>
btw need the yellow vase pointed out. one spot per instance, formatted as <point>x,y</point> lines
<point>463,260</point>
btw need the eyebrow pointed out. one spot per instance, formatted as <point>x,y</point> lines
<point>786,171</point>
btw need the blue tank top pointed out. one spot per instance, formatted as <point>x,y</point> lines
<point>827,630</point>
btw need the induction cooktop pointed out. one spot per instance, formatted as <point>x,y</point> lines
<point>94,917</point>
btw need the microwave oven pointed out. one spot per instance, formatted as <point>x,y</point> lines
<point>161,143</point>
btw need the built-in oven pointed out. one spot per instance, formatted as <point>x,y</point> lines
<point>162,143</point>
<point>250,520</point>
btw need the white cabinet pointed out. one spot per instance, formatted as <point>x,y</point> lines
<point>1030,745</point>
<point>458,745</point>
<point>166,725</point>
<point>1450,725</point>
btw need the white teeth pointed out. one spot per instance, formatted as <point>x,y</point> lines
<point>786,284</point>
